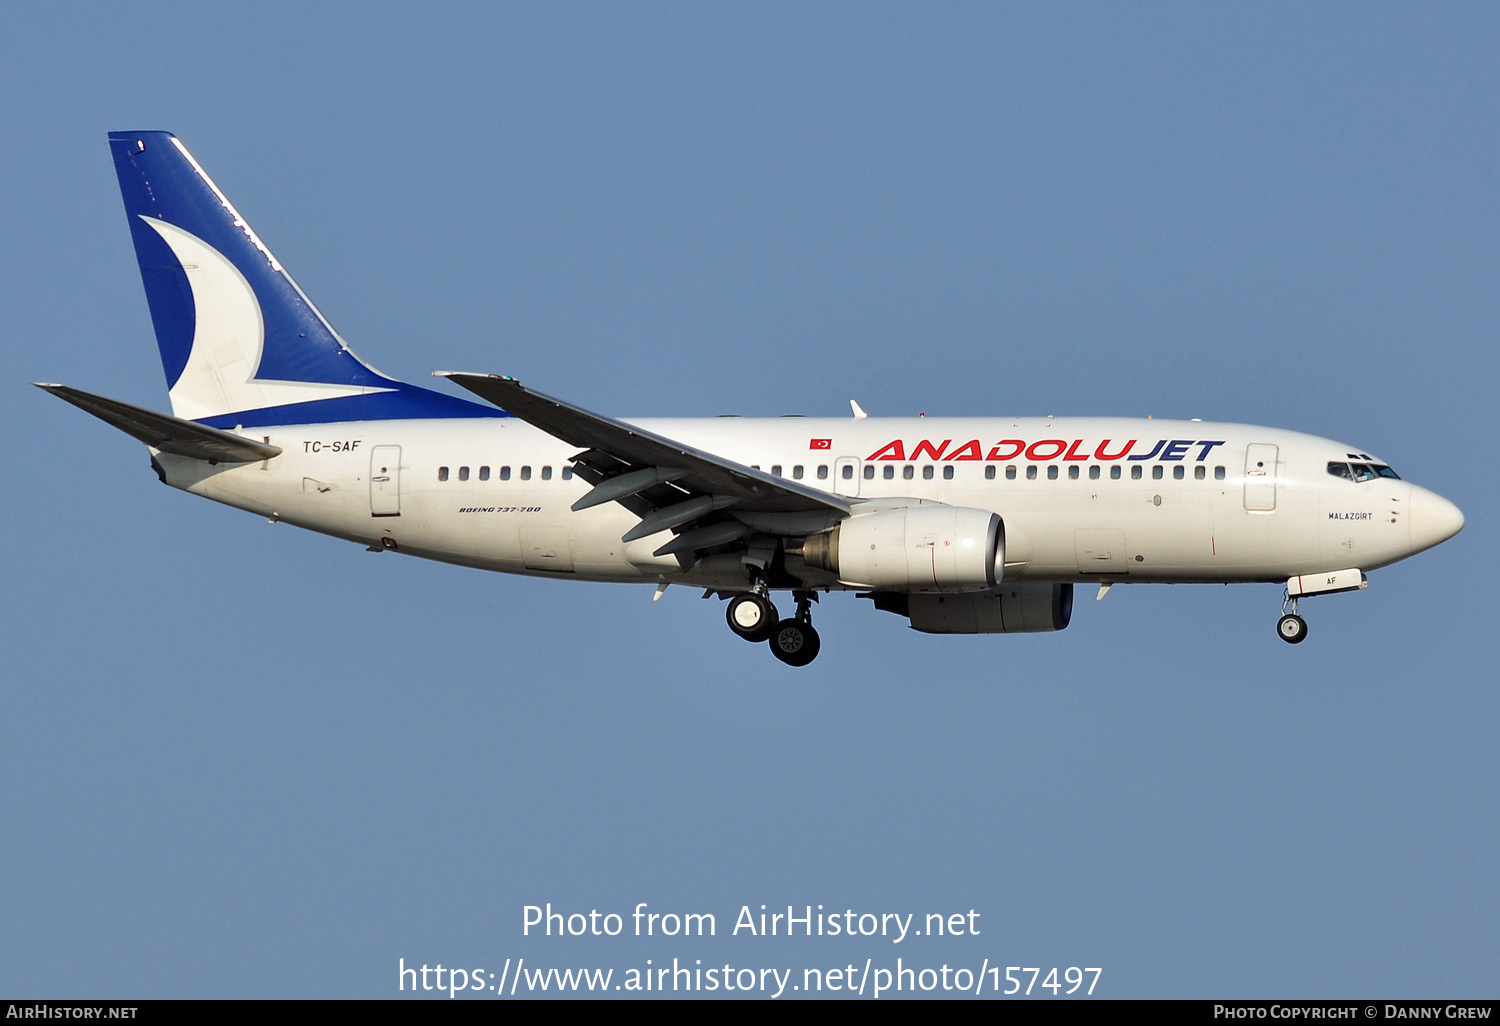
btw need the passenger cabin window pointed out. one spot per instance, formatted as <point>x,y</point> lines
<point>1114,473</point>
<point>927,472</point>
<point>989,472</point>
<point>484,473</point>
<point>1010,473</point>
<point>823,471</point>
<point>947,473</point>
<point>1200,473</point>
<point>776,470</point>
<point>1031,472</point>
<point>797,472</point>
<point>1093,473</point>
<point>1052,473</point>
<point>869,472</point>
<point>1218,473</point>
<point>1157,472</point>
<point>908,472</point>
<point>1072,473</point>
<point>442,473</point>
<point>567,473</point>
<point>525,473</point>
<point>1135,473</point>
<point>1178,473</point>
<point>505,473</point>
<point>463,473</point>
<point>848,472</point>
<point>546,473</point>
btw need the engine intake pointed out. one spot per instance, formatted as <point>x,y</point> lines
<point>929,548</point>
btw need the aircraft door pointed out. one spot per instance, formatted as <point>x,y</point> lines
<point>1100,551</point>
<point>546,548</point>
<point>385,481</point>
<point>846,476</point>
<point>1260,478</point>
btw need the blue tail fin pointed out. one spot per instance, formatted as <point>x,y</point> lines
<point>241,344</point>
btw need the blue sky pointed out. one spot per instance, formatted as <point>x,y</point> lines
<point>240,760</point>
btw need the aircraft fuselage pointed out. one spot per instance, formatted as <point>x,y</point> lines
<point>1082,499</point>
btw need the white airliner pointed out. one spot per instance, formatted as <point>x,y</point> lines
<point>960,525</point>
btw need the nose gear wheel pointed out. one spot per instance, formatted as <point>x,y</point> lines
<point>1291,628</point>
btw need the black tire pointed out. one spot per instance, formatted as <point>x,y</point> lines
<point>1291,629</point>
<point>751,616</point>
<point>795,643</point>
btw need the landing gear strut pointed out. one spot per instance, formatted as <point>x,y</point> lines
<point>1291,628</point>
<point>752,615</point>
<point>794,641</point>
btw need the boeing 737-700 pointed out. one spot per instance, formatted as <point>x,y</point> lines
<point>959,525</point>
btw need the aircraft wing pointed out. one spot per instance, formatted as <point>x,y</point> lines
<point>667,483</point>
<point>168,434</point>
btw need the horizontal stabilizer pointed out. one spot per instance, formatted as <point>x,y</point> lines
<point>169,434</point>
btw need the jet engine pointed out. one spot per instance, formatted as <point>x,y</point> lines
<point>933,548</point>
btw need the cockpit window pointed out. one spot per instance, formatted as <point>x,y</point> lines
<point>1361,471</point>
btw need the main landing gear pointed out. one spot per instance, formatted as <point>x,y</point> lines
<point>1291,628</point>
<point>753,616</point>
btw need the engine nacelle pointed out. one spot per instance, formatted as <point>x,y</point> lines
<point>932,548</point>
<point>1011,609</point>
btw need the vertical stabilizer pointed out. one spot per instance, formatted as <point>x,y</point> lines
<point>240,342</point>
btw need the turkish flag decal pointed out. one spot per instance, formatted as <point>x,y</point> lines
<point>820,443</point>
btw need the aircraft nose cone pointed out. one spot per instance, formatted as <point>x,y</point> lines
<point>1433,519</point>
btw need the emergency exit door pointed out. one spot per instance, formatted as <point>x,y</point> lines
<point>846,476</point>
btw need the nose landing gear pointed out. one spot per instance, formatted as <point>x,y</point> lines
<point>1291,628</point>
